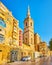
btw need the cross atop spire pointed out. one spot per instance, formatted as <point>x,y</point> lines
<point>28,14</point>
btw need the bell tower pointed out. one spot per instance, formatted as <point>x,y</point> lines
<point>28,29</point>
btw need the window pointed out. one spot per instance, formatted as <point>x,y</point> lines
<point>1,13</point>
<point>26,40</point>
<point>0,50</point>
<point>2,23</point>
<point>22,53</point>
<point>26,23</point>
<point>20,37</point>
<point>38,47</point>
<point>1,38</point>
<point>28,53</point>
<point>0,29</point>
<point>31,23</point>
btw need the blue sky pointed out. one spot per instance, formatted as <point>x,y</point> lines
<point>41,13</point>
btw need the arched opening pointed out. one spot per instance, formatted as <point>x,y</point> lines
<point>26,23</point>
<point>31,24</point>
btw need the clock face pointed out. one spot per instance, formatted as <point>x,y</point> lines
<point>1,38</point>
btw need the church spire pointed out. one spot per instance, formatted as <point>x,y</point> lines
<point>28,14</point>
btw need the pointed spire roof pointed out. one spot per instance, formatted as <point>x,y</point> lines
<point>28,13</point>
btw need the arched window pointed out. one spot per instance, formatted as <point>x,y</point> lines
<point>26,23</point>
<point>38,47</point>
<point>31,23</point>
<point>2,23</point>
<point>0,29</point>
<point>26,40</point>
<point>1,38</point>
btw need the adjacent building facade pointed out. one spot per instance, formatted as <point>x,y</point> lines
<point>37,41</point>
<point>20,37</point>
